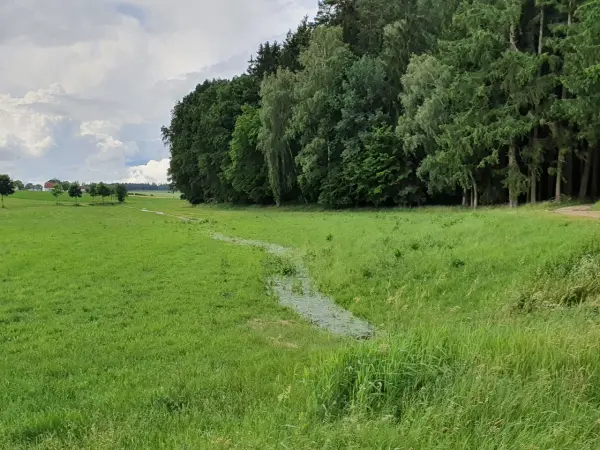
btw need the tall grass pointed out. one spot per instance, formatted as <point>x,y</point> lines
<point>144,333</point>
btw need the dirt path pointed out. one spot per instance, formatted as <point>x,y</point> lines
<point>579,211</point>
<point>295,291</point>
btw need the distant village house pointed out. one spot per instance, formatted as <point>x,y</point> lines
<point>49,185</point>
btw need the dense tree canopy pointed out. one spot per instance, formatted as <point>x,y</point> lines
<point>380,102</point>
<point>7,187</point>
<point>75,191</point>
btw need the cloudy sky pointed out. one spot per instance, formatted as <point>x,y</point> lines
<point>85,85</point>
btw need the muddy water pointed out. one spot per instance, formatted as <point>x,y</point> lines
<point>296,292</point>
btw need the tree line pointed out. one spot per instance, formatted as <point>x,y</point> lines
<point>116,191</point>
<point>378,102</point>
<point>147,186</point>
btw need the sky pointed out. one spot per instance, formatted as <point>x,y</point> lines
<point>85,85</point>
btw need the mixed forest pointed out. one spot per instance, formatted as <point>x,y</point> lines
<point>405,102</point>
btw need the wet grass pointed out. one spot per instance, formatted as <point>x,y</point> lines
<point>128,330</point>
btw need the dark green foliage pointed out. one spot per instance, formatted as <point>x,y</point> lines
<point>295,43</point>
<point>103,190</point>
<point>199,136</point>
<point>93,191</point>
<point>57,191</point>
<point>120,192</point>
<point>19,185</point>
<point>247,171</point>
<point>382,102</point>
<point>266,61</point>
<point>7,187</point>
<point>75,191</point>
<point>318,94</point>
<point>278,147</point>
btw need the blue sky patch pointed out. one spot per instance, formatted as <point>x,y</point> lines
<point>127,9</point>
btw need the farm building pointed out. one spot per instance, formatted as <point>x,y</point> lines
<point>49,185</point>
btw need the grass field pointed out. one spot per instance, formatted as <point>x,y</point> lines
<point>122,329</point>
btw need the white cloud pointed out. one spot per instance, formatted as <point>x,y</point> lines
<point>23,130</point>
<point>153,172</point>
<point>86,84</point>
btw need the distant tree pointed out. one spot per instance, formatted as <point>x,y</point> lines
<point>103,190</point>
<point>75,191</point>
<point>65,185</point>
<point>7,187</point>
<point>38,187</point>
<point>29,186</point>
<point>93,191</point>
<point>57,191</point>
<point>121,192</point>
<point>19,185</point>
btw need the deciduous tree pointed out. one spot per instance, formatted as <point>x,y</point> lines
<point>121,192</point>
<point>57,191</point>
<point>7,187</point>
<point>75,191</point>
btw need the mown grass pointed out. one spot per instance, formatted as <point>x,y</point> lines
<point>125,330</point>
<point>131,330</point>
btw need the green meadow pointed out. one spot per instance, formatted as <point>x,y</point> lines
<point>126,329</point>
<point>159,194</point>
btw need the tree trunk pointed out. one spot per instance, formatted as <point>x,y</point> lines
<point>533,196</point>
<point>535,163</point>
<point>475,193</point>
<point>541,35</point>
<point>533,170</point>
<point>551,183</point>
<point>2,197</point>
<point>587,170</point>
<point>566,153</point>
<point>568,174</point>
<point>559,172</point>
<point>464,198</point>
<point>512,169</point>
<point>595,161</point>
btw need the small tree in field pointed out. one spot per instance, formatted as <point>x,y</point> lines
<point>57,191</point>
<point>121,192</point>
<point>19,185</point>
<point>7,187</point>
<point>93,191</point>
<point>75,191</point>
<point>103,190</point>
